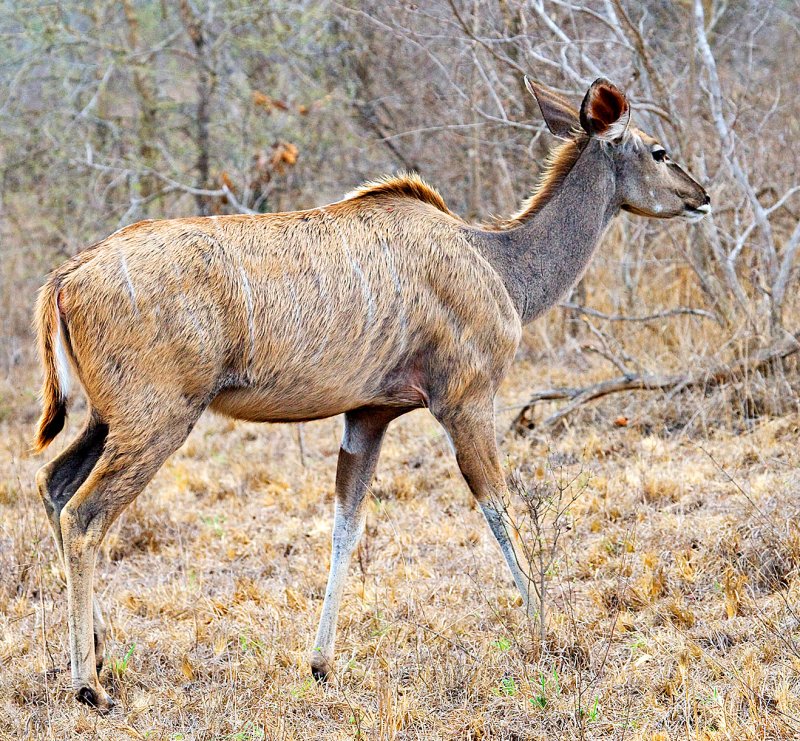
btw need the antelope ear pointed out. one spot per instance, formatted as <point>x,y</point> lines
<point>605,112</point>
<point>561,118</point>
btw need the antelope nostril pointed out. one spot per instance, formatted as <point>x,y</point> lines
<point>707,200</point>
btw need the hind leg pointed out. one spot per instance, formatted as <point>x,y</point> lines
<point>58,481</point>
<point>128,462</point>
<point>358,456</point>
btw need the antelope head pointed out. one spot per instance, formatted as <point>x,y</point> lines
<point>648,182</point>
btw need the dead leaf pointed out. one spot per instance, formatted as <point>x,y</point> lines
<point>187,668</point>
<point>283,153</point>
<point>266,103</point>
<point>294,599</point>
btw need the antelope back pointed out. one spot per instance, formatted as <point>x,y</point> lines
<point>376,299</point>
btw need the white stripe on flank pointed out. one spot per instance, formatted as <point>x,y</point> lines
<point>188,308</point>
<point>298,312</point>
<point>248,299</point>
<point>398,289</point>
<point>294,329</point>
<point>390,259</point>
<point>366,290</point>
<point>325,327</point>
<point>63,369</point>
<point>127,276</point>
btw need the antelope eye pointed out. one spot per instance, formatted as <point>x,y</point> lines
<point>659,155</point>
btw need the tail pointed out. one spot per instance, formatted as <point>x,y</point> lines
<point>53,353</point>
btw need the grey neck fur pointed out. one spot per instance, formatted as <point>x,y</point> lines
<point>544,256</point>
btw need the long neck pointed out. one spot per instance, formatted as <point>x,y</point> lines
<point>543,251</point>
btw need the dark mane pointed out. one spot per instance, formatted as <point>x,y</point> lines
<point>408,185</point>
<point>559,162</point>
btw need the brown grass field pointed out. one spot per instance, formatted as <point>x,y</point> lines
<point>669,604</point>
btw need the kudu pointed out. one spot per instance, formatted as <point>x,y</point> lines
<point>369,307</point>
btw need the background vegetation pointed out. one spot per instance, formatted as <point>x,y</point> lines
<point>664,523</point>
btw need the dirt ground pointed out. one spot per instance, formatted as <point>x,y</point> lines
<point>670,611</point>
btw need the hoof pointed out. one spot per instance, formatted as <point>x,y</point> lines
<point>319,674</point>
<point>101,701</point>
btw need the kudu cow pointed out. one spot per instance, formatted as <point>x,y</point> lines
<point>369,307</point>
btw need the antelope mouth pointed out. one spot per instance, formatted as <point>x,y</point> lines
<point>695,213</point>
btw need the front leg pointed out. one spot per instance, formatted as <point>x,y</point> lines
<point>358,456</point>
<point>472,431</point>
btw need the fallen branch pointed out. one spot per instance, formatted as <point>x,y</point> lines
<point>679,311</point>
<point>716,375</point>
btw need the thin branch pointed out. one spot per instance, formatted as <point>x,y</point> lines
<point>785,270</point>
<point>604,352</point>
<point>726,136</point>
<point>467,30</point>
<point>716,375</point>
<point>679,311</point>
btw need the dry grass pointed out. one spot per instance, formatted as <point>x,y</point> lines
<point>670,611</point>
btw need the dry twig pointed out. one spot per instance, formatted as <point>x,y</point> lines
<point>716,375</point>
